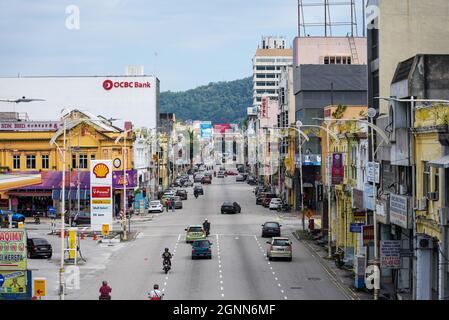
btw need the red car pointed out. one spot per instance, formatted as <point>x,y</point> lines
<point>206,180</point>
<point>267,199</point>
<point>231,173</point>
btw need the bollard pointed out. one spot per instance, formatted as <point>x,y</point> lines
<point>82,235</point>
<point>95,236</point>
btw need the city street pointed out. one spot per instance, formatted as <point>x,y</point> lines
<point>238,269</point>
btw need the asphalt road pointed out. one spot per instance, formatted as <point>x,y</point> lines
<point>238,269</point>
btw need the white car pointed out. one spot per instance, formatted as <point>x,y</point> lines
<point>156,206</point>
<point>275,203</point>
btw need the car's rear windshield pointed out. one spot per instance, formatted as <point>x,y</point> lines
<point>40,241</point>
<point>195,229</point>
<point>271,225</point>
<point>201,244</point>
<point>154,203</point>
<point>281,242</point>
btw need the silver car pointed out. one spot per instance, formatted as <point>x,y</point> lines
<point>178,202</point>
<point>279,247</point>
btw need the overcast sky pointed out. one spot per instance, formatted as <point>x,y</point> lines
<point>186,43</point>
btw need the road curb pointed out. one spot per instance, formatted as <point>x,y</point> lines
<point>350,294</point>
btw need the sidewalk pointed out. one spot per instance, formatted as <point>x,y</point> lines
<point>343,278</point>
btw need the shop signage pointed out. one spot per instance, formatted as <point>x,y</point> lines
<point>399,211</point>
<point>30,125</point>
<point>370,172</point>
<point>390,254</point>
<point>13,252</point>
<point>288,182</point>
<point>357,199</point>
<point>368,234</point>
<point>109,84</point>
<point>368,201</point>
<point>100,189</point>
<point>337,168</point>
<point>13,282</point>
<point>356,227</point>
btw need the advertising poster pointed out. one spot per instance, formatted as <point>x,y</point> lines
<point>13,254</point>
<point>390,254</point>
<point>13,282</point>
<point>101,193</point>
<point>338,169</point>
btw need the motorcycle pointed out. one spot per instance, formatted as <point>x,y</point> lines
<point>284,207</point>
<point>37,220</point>
<point>108,297</point>
<point>196,195</point>
<point>339,256</point>
<point>167,266</point>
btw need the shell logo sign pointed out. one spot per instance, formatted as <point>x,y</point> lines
<point>101,194</point>
<point>100,170</point>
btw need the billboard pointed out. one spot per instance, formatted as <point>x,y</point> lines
<point>206,129</point>
<point>129,98</point>
<point>13,253</point>
<point>13,281</point>
<point>101,193</point>
<point>221,128</point>
<point>338,169</point>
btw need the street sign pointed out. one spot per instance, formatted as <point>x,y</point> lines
<point>356,227</point>
<point>39,287</point>
<point>308,213</point>
<point>105,230</point>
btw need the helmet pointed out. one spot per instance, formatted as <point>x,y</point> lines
<point>156,286</point>
<point>105,283</point>
<point>166,249</point>
<point>205,220</point>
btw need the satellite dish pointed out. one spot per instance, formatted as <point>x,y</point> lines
<point>372,112</point>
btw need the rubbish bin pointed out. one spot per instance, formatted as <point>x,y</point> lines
<point>311,224</point>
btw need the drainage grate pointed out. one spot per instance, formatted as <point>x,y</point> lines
<point>297,288</point>
<point>314,279</point>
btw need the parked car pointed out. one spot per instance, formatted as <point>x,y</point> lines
<point>240,178</point>
<point>16,217</point>
<point>279,247</point>
<point>195,232</point>
<point>230,207</point>
<point>199,189</point>
<point>275,203</point>
<point>201,248</point>
<point>206,180</point>
<point>231,173</point>
<point>267,198</point>
<point>187,183</point>
<point>220,174</point>
<point>271,229</point>
<point>38,247</point>
<point>178,202</point>
<point>182,194</point>
<point>251,180</point>
<point>75,219</point>
<point>155,206</point>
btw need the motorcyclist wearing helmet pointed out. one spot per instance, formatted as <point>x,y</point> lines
<point>206,226</point>
<point>166,256</point>
<point>105,291</point>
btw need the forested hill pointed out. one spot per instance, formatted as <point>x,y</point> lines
<point>219,102</point>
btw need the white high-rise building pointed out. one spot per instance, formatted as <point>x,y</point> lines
<point>270,57</point>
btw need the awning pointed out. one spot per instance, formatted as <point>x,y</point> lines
<point>16,181</point>
<point>442,163</point>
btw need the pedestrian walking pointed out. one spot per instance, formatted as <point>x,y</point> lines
<point>173,204</point>
<point>167,204</point>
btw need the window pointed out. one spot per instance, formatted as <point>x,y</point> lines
<point>270,68</point>
<point>16,161</point>
<point>92,157</point>
<point>437,180</point>
<point>337,60</point>
<point>31,161</point>
<point>83,161</point>
<point>426,178</point>
<point>45,162</point>
<point>74,161</point>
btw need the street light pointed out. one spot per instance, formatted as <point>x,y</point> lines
<point>123,135</point>
<point>62,151</point>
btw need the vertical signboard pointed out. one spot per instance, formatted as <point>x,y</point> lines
<point>368,234</point>
<point>264,107</point>
<point>390,254</point>
<point>101,193</point>
<point>338,170</point>
<point>370,171</point>
<point>399,211</point>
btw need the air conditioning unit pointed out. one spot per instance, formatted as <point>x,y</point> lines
<point>424,242</point>
<point>422,204</point>
<point>432,196</point>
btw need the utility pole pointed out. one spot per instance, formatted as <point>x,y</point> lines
<point>328,182</point>
<point>298,126</point>
<point>61,267</point>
